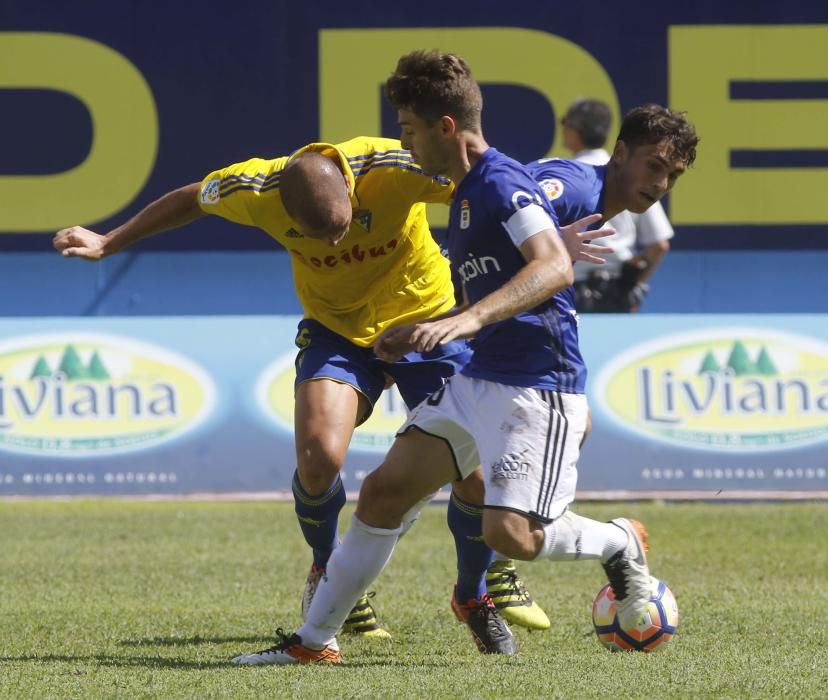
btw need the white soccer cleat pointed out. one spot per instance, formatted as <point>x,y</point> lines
<point>290,650</point>
<point>629,575</point>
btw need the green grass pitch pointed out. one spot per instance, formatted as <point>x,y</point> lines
<point>145,600</point>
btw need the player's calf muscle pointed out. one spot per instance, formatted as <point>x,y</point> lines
<point>513,535</point>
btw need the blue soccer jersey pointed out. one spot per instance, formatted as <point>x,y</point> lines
<point>573,189</point>
<point>496,207</point>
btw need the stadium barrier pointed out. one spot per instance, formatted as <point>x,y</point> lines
<point>683,406</point>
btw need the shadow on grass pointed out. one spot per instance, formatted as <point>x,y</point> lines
<point>396,663</point>
<point>198,639</point>
<point>122,661</point>
<point>154,662</point>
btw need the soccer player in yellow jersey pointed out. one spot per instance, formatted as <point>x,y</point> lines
<point>352,218</point>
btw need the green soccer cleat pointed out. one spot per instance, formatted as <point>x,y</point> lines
<point>511,597</point>
<point>362,620</point>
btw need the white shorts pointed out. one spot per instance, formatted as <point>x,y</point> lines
<point>527,440</point>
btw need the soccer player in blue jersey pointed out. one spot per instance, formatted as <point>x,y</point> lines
<point>518,407</point>
<point>352,218</point>
<point>655,146</point>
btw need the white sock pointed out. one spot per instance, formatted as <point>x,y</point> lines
<point>354,564</point>
<point>413,513</point>
<point>573,537</point>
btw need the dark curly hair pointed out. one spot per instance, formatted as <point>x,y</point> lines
<point>653,123</point>
<point>433,84</point>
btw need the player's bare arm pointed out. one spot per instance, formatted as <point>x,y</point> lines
<point>548,270</point>
<point>578,241</point>
<point>174,209</point>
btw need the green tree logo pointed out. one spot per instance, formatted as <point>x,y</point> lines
<point>764,364</point>
<point>709,363</point>
<point>96,368</point>
<point>740,363</point>
<point>41,369</point>
<point>72,367</point>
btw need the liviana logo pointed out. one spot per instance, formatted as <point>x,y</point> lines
<point>738,389</point>
<point>274,391</point>
<point>80,395</point>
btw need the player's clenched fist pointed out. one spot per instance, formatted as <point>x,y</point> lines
<point>78,242</point>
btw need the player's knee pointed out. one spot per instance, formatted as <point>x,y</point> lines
<point>318,467</point>
<point>380,504</point>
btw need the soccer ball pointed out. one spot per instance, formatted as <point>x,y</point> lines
<point>658,624</point>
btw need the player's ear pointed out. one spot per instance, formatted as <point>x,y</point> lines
<point>620,152</point>
<point>448,127</point>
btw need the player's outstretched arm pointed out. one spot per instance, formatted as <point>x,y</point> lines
<point>174,209</point>
<point>548,270</point>
<point>578,241</point>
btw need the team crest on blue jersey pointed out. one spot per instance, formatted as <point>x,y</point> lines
<point>363,218</point>
<point>552,188</point>
<point>210,192</point>
<point>465,214</point>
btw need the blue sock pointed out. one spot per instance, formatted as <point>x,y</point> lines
<point>318,517</point>
<point>473,555</point>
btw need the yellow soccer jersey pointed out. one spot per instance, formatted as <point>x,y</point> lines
<point>386,270</point>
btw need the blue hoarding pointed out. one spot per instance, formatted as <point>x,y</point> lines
<point>680,404</point>
<point>107,105</point>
